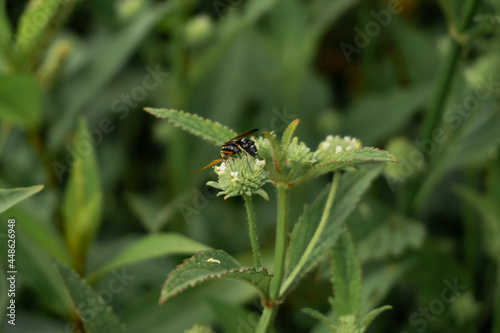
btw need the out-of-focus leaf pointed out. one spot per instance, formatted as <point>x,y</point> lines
<point>490,213</point>
<point>152,215</point>
<point>35,268</point>
<point>370,316</point>
<point>102,66</point>
<point>33,26</point>
<point>234,318</point>
<point>351,187</point>
<point>213,264</point>
<point>346,277</point>
<point>199,329</point>
<point>375,117</point>
<point>5,37</point>
<point>96,314</point>
<point>394,235</point>
<point>83,197</point>
<point>9,197</point>
<point>20,99</point>
<point>206,129</point>
<point>149,247</point>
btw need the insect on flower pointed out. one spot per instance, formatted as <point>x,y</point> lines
<point>235,146</point>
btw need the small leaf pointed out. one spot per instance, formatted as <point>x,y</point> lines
<point>213,264</point>
<point>288,134</point>
<point>346,277</point>
<point>9,197</point>
<point>93,311</point>
<point>150,247</point>
<point>347,158</point>
<point>204,128</point>
<point>368,318</point>
<point>20,99</point>
<point>82,204</point>
<point>318,315</point>
<point>277,153</point>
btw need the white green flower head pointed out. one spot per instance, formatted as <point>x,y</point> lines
<point>242,175</point>
<point>337,144</point>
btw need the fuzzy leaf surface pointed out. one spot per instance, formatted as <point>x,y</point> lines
<point>212,264</point>
<point>206,129</point>
<point>346,277</point>
<point>347,158</point>
<point>97,316</point>
<point>351,187</point>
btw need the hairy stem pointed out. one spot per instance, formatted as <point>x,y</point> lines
<point>252,231</point>
<point>269,312</point>
<point>314,240</point>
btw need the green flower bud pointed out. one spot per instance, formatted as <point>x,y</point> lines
<point>241,176</point>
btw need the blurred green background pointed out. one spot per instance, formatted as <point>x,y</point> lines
<point>418,78</point>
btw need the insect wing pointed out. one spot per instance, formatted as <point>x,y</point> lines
<point>241,136</point>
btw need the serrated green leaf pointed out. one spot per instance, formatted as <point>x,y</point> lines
<point>93,311</point>
<point>318,315</point>
<point>351,186</point>
<point>368,318</point>
<point>206,129</point>
<point>288,134</point>
<point>20,99</point>
<point>346,277</point>
<point>347,158</point>
<point>213,264</point>
<point>9,197</point>
<point>148,247</point>
<point>82,204</point>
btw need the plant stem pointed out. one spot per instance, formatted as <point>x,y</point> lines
<point>314,240</point>
<point>269,313</point>
<point>435,109</point>
<point>252,231</point>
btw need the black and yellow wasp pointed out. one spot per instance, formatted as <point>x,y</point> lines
<point>235,146</point>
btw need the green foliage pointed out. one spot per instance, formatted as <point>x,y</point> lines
<point>346,280</point>
<point>204,128</point>
<point>10,197</point>
<point>82,205</point>
<point>92,309</point>
<point>211,264</point>
<point>418,79</point>
<point>148,247</point>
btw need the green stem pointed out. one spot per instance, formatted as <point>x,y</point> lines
<point>314,240</point>
<point>281,233</point>
<point>270,309</point>
<point>444,80</point>
<point>252,231</point>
